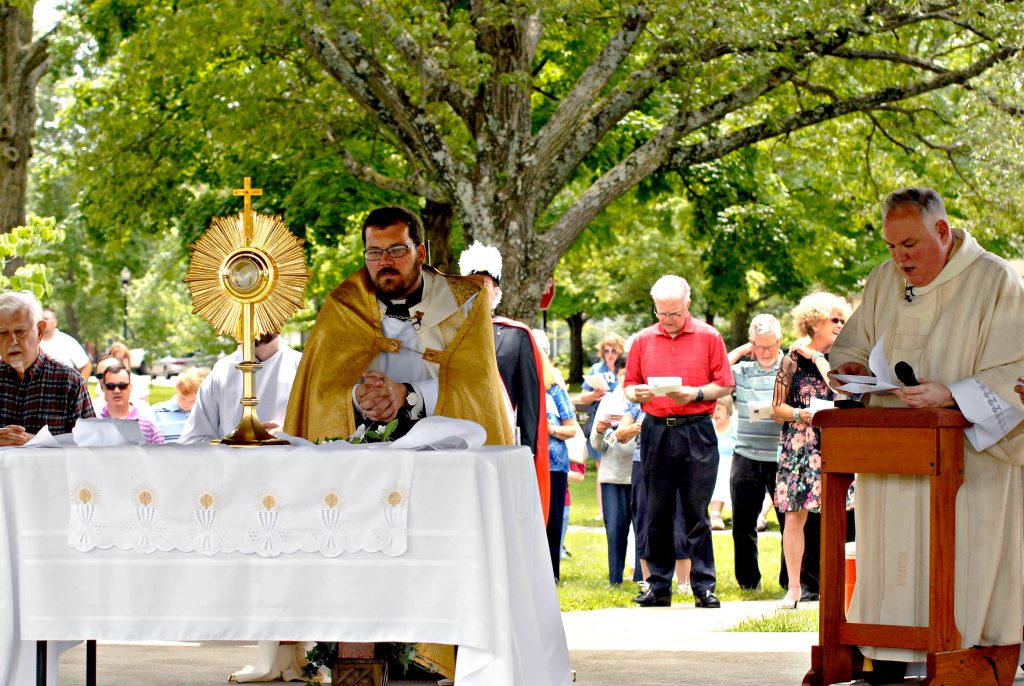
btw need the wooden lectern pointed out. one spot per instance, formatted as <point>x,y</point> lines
<point>921,442</point>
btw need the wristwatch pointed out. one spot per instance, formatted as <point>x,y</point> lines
<point>700,395</point>
<point>412,398</point>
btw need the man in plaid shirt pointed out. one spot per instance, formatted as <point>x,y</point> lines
<point>35,390</point>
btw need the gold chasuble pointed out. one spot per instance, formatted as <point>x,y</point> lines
<point>348,336</point>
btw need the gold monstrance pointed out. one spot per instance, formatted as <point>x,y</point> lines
<point>247,277</point>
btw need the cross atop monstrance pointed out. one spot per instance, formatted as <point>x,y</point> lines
<point>247,276</point>
<point>247,191</point>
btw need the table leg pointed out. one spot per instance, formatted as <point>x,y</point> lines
<point>90,663</point>
<point>40,663</point>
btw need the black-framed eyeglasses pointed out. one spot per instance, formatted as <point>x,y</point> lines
<point>116,386</point>
<point>395,251</point>
<point>667,315</point>
<point>837,320</point>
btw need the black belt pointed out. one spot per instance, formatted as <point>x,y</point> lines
<point>682,420</point>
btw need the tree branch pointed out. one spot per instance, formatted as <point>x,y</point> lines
<point>33,60</point>
<point>414,186</point>
<point>713,149</point>
<point>881,129</point>
<point>547,180</point>
<point>887,56</point>
<point>576,105</point>
<point>430,71</point>
<point>652,154</point>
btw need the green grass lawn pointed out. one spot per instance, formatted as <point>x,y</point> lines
<point>584,575</point>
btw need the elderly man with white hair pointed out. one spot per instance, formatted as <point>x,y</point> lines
<point>755,460</point>
<point>677,369</point>
<point>35,389</point>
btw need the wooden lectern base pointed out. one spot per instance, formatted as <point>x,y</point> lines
<point>981,666</point>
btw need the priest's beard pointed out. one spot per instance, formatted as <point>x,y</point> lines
<point>392,283</point>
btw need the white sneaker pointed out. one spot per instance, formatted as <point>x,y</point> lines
<point>685,589</point>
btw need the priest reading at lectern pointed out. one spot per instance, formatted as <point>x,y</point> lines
<point>954,312</point>
<point>398,340</point>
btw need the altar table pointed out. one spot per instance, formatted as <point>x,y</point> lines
<point>475,572</point>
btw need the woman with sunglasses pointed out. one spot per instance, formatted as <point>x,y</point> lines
<point>819,316</point>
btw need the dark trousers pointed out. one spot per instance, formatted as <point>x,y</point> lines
<point>749,481</point>
<point>681,460</point>
<point>556,513</point>
<point>616,502</point>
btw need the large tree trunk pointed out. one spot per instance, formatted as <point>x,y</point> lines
<point>576,322</point>
<point>437,229</point>
<point>22,64</point>
<point>738,331</point>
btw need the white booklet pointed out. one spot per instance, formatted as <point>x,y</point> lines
<point>663,385</point>
<point>596,381</point>
<point>819,404</point>
<point>760,409</point>
<point>882,380</point>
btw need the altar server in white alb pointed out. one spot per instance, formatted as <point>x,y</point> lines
<point>955,313</point>
<point>218,406</point>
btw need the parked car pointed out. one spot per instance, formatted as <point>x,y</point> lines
<point>172,365</point>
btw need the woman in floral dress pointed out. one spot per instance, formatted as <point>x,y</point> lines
<point>820,317</point>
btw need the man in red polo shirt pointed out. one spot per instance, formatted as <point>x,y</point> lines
<point>678,445</point>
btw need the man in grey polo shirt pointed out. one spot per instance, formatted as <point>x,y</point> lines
<point>755,460</point>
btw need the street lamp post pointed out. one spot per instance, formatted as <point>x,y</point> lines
<point>126,277</point>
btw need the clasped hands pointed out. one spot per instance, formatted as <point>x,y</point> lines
<point>925,394</point>
<point>379,397</point>
<point>12,434</point>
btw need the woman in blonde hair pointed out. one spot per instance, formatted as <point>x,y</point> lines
<point>819,316</point>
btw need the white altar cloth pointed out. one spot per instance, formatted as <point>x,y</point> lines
<point>476,571</point>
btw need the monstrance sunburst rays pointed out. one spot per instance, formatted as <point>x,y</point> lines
<point>271,266</point>
<point>247,276</point>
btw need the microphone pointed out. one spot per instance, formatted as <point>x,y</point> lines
<point>908,293</point>
<point>905,373</point>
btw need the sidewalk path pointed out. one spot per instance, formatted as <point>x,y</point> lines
<point>679,645</point>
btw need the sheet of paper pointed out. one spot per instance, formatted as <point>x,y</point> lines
<point>44,439</point>
<point>596,381</point>
<point>819,404</point>
<point>993,416</point>
<point>882,380</point>
<point>663,385</point>
<point>760,409</point>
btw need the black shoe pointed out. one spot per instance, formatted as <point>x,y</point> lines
<point>649,599</point>
<point>641,587</point>
<point>809,597</point>
<point>886,672</point>
<point>707,599</point>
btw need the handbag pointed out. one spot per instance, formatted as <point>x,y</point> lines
<point>577,445</point>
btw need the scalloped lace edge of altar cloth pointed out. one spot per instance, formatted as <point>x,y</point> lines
<point>212,503</point>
